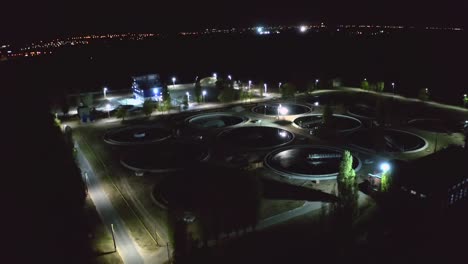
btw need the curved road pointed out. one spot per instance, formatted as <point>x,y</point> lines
<point>126,247</point>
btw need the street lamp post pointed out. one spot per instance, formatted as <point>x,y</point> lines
<point>393,88</point>
<point>316,83</point>
<point>266,89</point>
<point>215,76</point>
<point>229,77</point>
<point>173,81</point>
<point>104,91</point>
<point>250,84</point>
<point>204,93</point>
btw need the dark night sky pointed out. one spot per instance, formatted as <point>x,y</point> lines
<point>44,19</point>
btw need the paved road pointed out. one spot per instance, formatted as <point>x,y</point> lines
<point>126,247</point>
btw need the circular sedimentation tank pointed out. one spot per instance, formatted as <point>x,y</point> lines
<point>281,109</point>
<point>341,123</point>
<point>307,162</point>
<point>256,137</point>
<point>434,125</point>
<point>215,120</point>
<point>136,135</point>
<point>362,111</point>
<point>388,140</point>
<point>164,157</point>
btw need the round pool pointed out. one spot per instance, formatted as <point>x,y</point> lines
<point>434,125</point>
<point>215,120</point>
<point>135,135</point>
<point>388,140</point>
<point>256,137</point>
<point>362,111</point>
<point>284,109</point>
<point>164,157</point>
<point>341,123</point>
<point>307,162</point>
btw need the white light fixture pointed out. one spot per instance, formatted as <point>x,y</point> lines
<point>384,167</point>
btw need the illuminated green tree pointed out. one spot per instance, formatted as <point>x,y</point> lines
<point>385,181</point>
<point>148,107</point>
<point>122,113</point>
<point>347,188</point>
<point>365,85</point>
<point>379,87</point>
<point>465,100</point>
<point>57,121</point>
<point>166,103</point>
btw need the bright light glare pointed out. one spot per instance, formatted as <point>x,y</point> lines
<point>229,76</point>
<point>283,110</point>
<point>215,75</point>
<point>204,92</point>
<point>259,30</point>
<point>384,167</point>
<point>303,29</point>
<point>316,104</point>
<point>283,133</point>
<point>108,106</point>
<point>173,79</point>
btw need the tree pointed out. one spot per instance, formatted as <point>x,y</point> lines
<point>166,103</point>
<point>227,92</point>
<point>346,174</point>
<point>347,188</point>
<point>198,91</point>
<point>288,90</point>
<point>365,85</point>
<point>261,86</point>
<point>379,87</point>
<point>148,107</point>
<point>87,99</point>
<point>385,181</point>
<point>122,113</point>
<point>423,94</point>
<point>245,94</point>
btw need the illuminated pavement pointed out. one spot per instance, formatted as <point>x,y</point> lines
<point>126,247</point>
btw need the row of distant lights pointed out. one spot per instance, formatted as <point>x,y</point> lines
<point>262,31</point>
